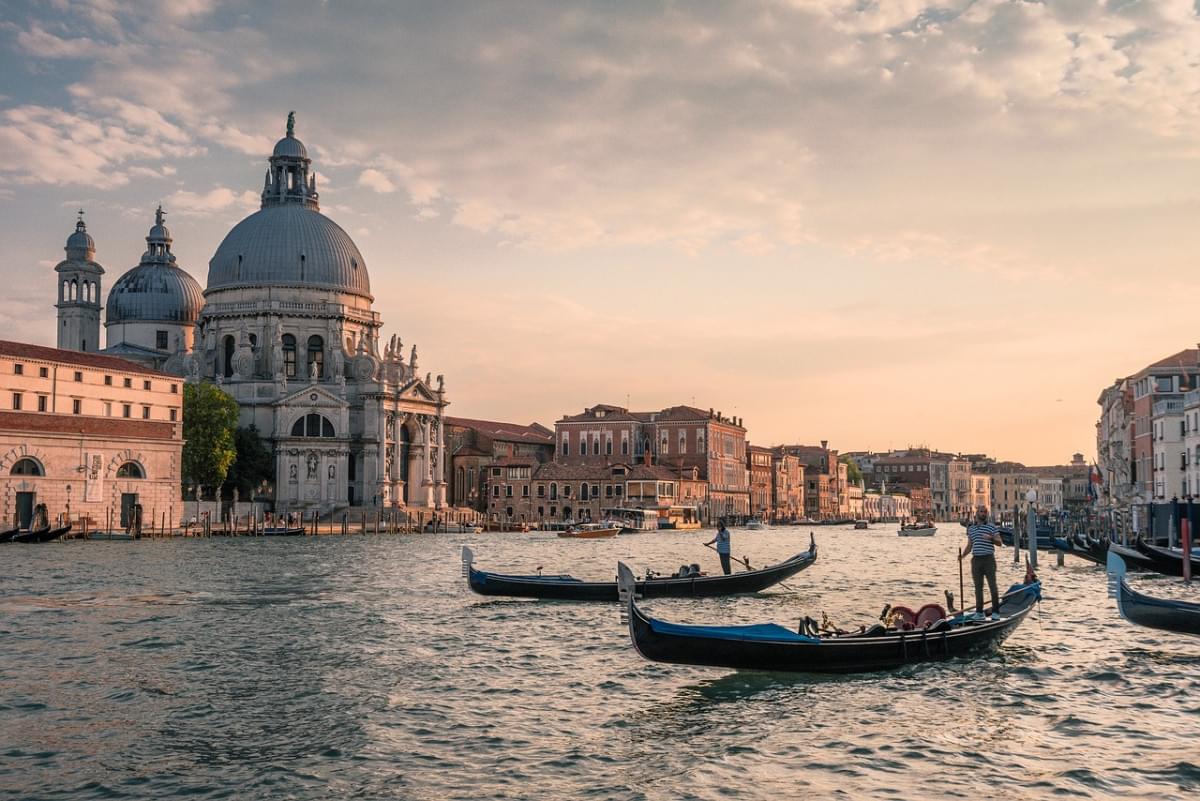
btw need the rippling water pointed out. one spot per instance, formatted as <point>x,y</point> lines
<point>362,667</point>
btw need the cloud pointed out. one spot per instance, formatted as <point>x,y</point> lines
<point>374,179</point>
<point>205,204</point>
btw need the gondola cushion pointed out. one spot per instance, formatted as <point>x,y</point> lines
<point>759,632</point>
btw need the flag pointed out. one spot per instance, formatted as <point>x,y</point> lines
<point>1095,480</point>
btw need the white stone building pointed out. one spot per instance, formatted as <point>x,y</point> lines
<point>286,327</point>
<point>1168,456</point>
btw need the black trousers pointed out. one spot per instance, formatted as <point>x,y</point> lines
<point>984,567</point>
<point>726,568</point>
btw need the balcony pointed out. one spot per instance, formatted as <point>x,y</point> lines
<point>1168,406</point>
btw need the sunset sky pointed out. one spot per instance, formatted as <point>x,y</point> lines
<point>876,223</point>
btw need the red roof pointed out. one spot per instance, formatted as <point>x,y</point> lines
<point>23,350</point>
<point>534,432</point>
<point>1189,357</point>
<point>34,423</point>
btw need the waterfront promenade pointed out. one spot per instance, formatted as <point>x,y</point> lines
<point>361,666</point>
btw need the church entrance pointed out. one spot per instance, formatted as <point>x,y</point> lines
<point>128,502</point>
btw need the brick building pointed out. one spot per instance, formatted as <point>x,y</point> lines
<point>88,435</point>
<point>478,446</point>
<point>760,464</point>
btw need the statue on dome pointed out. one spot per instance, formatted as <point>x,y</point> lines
<point>291,124</point>
<point>412,360</point>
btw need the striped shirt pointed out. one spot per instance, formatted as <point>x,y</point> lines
<point>980,536</point>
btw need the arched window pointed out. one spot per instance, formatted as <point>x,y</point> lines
<point>583,492</point>
<point>316,354</point>
<point>405,448</point>
<point>27,467</point>
<point>553,491</point>
<point>229,347</point>
<point>289,355</point>
<point>130,470</point>
<point>313,425</point>
<point>596,446</point>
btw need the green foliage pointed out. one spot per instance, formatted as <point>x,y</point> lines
<point>853,474</point>
<point>253,465</point>
<point>209,420</point>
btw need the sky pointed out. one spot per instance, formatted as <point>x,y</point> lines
<point>879,224</point>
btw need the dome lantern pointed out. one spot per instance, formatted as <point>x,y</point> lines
<point>288,179</point>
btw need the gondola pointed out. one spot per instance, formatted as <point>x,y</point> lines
<point>7,535</point>
<point>769,646</point>
<point>1084,549</point>
<point>693,585</point>
<point>282,531</point>
<point>41,534</point>
<point>1166,561</point>
<point>1156,613</point>
<point>1045,538</point>
<point>1131,556</point>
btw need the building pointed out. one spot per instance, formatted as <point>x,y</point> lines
<point>854,501</point>
<point>981,492</point>
<point>1168,454</point>
<point>90,436</point>
<point>760,463</point>
<point>677,438</point>
<point>476,446</point>
<point>1011,481</point>
<point>823,473</point>
<point>787,486</point>
<point>285,326</point>
<point>1114,448</point>
<point>1165,380</point>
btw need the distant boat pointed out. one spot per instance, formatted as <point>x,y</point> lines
<point>590,531</point>
<point>754,524</point>
<point>114,536</point>
<point>917,530</point>
<point>859,525</point>
<point>41,534</point>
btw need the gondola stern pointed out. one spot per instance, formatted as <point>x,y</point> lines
<point>468,559</point>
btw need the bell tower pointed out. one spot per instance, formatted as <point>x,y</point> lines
<point>79,292</point>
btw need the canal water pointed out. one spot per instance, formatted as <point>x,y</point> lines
<point>362,667</point>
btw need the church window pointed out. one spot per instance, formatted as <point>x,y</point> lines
<point>27,467</point>
<point>316,355</point>
<point>160,340</point>
<point>312,425</point>
<point>130,470</point>
<point>289,355</point>
<point>229,347</point>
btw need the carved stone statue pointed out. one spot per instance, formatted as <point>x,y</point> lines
<point>312,466</point>
<point>291,123</point>
<point>412,360</point>
<point>332,472</point>
<point>292,472</point>
<point>313,373</point>
<point>441,384</point>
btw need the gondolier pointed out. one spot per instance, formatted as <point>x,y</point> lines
<point>982,539</point>
<point>723,546</point>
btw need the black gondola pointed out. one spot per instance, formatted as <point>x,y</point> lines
<point>1156,613</point>
<point>1096,552</point>
<point>1166,561</point>
<point>1131,556</point>
<point>8,534</point>
<point>569,588</point>
<point>41,534</point>
<point>773,647</point>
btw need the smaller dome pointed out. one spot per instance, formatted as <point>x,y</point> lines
<point>81,239</point>
<point>290,147</point>
<point>159,233</point>
<point>154,293</point>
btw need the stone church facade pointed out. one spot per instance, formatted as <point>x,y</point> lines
<point>286,327</point>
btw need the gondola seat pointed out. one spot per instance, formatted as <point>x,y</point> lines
<point>929,614</point>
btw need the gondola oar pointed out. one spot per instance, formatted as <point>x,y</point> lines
<point>746,562</point>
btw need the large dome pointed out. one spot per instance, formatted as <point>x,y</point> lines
<point>154,293</point>
<point>289,245</point>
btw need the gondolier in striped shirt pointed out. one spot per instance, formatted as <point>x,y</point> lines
<point>982,539</point>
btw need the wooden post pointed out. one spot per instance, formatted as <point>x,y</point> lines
<point>377,521</point>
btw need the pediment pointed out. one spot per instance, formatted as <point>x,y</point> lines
<point>311,396</point>
<point>417,390</point>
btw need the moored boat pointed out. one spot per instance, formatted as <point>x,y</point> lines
<point>769,646</point>
<point>1167,561</point>
<point>1182,617</point>
<point>692,585</point>
<point>282,531</point>
<point>754,524</point>
<point>917,530</point>
<point>8,534</point>
<point>1083,548</point>
<point>1130,556</point>
<point>860,525</point>
<point>113,536</point>
<point>41,534</point>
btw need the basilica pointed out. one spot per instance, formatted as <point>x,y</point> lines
<point>286,327</point>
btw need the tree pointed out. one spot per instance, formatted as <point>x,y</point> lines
<point>253,464</point>
<point>209,420</point>
<point>853,474</point>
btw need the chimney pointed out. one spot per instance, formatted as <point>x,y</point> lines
<point>824,444</point>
